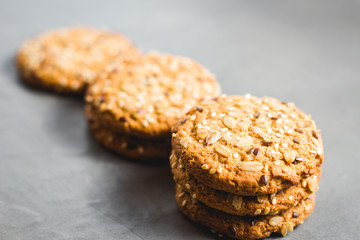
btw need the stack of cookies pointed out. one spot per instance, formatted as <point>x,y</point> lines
<point>246,167</point>
<point>134,103</point>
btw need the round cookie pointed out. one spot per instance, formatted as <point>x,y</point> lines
<point>66,60</point>
<point>240,227</point>
<point>146,96</point>
<point>248,146</point>
<point>241,205</point>
<point>130,146</point>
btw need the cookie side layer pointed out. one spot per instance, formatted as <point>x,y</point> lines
<point>237,204</point>
<point>151,151</point>
<point>243,227</point>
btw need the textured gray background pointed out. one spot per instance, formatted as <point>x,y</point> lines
<point>57,183</point>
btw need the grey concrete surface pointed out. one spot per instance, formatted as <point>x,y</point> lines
<point>56,182</point>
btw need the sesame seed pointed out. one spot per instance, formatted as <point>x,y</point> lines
<point>236,155</point>
<point>267,143</point>
<point>219,169</point>
<point>181,194</point>
<point>257,211</point>
<point>315,134</point>
<point>308,207</point>
<point>277,162</point>
<point>297,141</point>
<point>212,171</point>
<point>173,165</point>
<point>278,135</point>
<point>184,141</point>
<point>187,186</point>
<point>173,134</point>
<point>205,167</point>
<point>213,114</point>
<point>192,117</point>
<point>299,130</point>
<point>291,197</point>
<point>304,183</point>
<point>265,107</point>
<point>273,201</point>
<point>289,131</point>
<point>274,221</point>
<point>145,123</point>
<point>183,203</point>
<point>193,195</point>
<point>212,138</point>
<point>267,210</point>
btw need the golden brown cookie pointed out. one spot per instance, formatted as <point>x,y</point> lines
<point>66,60</point>
<point>146,96</point>
<point>239,227</point>
<point>237,204</point>
<point>149,151</point>
<point>248,145</point>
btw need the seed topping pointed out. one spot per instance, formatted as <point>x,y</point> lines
<point>274,221</point>
<point>212,138</point>
<point>250,166</point>
<point>264,180</point>
<point>315,134</point>
<point>229,122</point>
<point>267,143</point>
<point>223,151</point>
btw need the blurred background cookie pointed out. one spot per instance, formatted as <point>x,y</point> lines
<point>67,60</point>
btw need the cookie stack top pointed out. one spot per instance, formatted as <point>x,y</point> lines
<point>248,146</point>
<point>145,96</point>
<point>66,60</point>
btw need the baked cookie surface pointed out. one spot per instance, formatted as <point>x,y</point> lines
<point>66,60</point>
<point>248,145</point>
<point>146,96</point>
<point>240,227</point>
<point>237,204</point>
